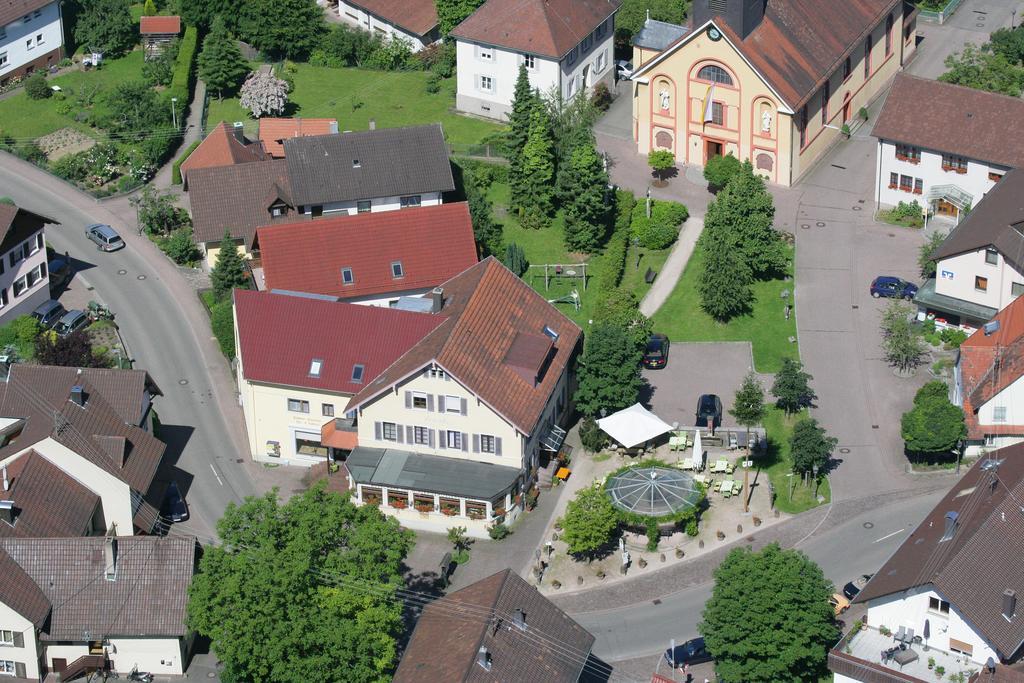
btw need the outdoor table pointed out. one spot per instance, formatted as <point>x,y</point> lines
<point>676,443</point>
<point>699,478</point>
<point>904,657</point>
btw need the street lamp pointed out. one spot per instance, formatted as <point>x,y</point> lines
<point>814,469</point>
<point>174,113</point>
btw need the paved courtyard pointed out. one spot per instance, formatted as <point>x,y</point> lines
<point>694,369</point>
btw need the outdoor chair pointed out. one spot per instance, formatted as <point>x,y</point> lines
<point>909,638</point>
<point>901,633</point>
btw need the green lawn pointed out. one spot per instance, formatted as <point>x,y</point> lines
<point>25,119</point>
<point>778,464</point>
<point>682,318</point>
<point>354,96</point>
<point>633,276</point>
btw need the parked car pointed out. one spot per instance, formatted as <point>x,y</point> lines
<point>656,353</point>
<point>173,507</point>
<point>623,69</point>
<point>839,604</point>
<point>892,287</point>
<point>709,411</point>
<point>73,320</point>
<point>49,313</point>
<point>60,272</point>
<point>854,587</point>
<point>690,652</point>
<point>105,237</point>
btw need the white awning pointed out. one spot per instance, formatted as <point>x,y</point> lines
<point>633,425</point>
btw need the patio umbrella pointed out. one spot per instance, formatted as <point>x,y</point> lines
<point>927,633</point>
<point>698,450</point>
<point>634,425</point>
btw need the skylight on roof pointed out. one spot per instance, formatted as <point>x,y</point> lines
<point>551,333</point>
<point>314,367</point>
<point>357,373</point>
<point>346,276</point>
<point>396,270</point>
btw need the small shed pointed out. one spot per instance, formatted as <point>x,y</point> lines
<point>157,32</point>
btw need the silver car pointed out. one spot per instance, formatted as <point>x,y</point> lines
<point>105,237</point>
<point>72,321</point>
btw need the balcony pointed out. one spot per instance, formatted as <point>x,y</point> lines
<point>858,656</point>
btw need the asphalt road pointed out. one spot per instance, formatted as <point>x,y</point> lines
<point>846,551</point>
<point>201,455</point>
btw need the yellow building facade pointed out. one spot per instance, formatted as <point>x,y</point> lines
<point>707,94</point>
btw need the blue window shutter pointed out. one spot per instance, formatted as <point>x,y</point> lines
<point>377,431</point>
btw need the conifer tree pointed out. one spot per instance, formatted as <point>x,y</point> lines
<point>585,209</point>
<point>524,101</point>
<point>229,273</point>
<point>537,174</point>
<point>221,65</point>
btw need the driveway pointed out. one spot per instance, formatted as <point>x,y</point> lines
<point>617,122</point>
<point>972,23</point>
<point>694,369</point>
<point>167,334</point>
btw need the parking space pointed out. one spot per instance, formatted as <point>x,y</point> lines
<point>695,369</point>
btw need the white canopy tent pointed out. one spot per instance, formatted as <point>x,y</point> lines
<point>633,426</point>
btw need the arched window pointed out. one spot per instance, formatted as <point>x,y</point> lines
<point>888,35</point>
<point>715,74</point>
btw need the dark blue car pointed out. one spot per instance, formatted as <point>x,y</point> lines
<point>691,652</point>
<point>892,287</point>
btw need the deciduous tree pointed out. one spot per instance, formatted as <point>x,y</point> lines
<point>934,425</point>
<point>451,13</point>
<point>609,375</point>
<point>810,446</point>
<point>660,161</point>
<point>632,14</point>
<point>748,405</point>
<point>768,618</point>
<point>221,65</point>
<point>745,209</point>
<point>159,214</point>
<point>264,94</point>
<point>983,69</point>
<point>301,591</point>
<point>283,28</point>
<point>105,26</point>
<point>134,110</point>
<point>586,214</point>
<point>1009,43</point>
<point>719,170</point>
<point>792,388</point>
<point>203,12</point>
<point>74,350</point>
<point>229,273</point>
<point>925,258</point>
<point>590,522</point>
<point>621,307</point>
<point>724,285</point>
<point>901,345</point>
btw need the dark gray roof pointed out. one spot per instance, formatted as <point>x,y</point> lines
<point>146,598</point>
<point>552,648</point>
<point>657,35</point>
<point>997,220</point>
<point>391,162</point>
<point>928,297</point>
<point>430,473</point>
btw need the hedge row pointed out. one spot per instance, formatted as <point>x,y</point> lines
<point>182,79</point>
<point>176,167</point>
<point>611,265</point>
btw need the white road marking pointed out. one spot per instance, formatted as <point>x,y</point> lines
<point>875,541</point>
<point>222,483</point>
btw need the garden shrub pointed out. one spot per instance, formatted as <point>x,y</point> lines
<point>498,531</point>
<point>591,436</point>
<point>176,167</point>
<point>662,228</point>
<point>31,152</point>
<point>20,332</point>
<point>652,533</point>
<point>180,247</point>
<point>602,97</point>
<point>182,79</point>
<point>222,322</point>
<point>391,55</point>
<point>515,259</point>
<point>608,269</point>
<point>670,213</point>
<point>64,108</point>
<point>71,167</point>
<point>719,170</point>
<point>953,337</point>
<point>344,46</point>
<point>439,58</point>
<point>433,84</point>
<point>907,210</point>
<point>691,528</point>
<point>37,88</point>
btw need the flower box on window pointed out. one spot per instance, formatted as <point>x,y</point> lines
<point>371,500</point>
<point>917,191</point>
<point>892,186</point>
<point>398,503</point>
<point>449,511</point>
<point>961,170</point>
<point>424,507</point>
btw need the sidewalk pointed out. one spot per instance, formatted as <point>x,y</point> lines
<point>674,266</point>
<point>162,179</point>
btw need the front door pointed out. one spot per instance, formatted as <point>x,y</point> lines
<point>846,111</point>
<point>58,665</point>
<point>713,149</point>
<point>944,208</point>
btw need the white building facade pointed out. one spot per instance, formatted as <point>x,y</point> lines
<point>360,17</point>
<point>487,68</point>
<point>942,182</point>
<point>24,280</point>
<point>33,41</point>
<point>372,205</point>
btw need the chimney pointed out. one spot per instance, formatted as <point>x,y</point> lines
<point>519,619</point>
<point>742,16</point>
<point>7,511</point>
<point>436,300</point>
<point>483,658</point>
<point>239,128</point>
<point>1009,603</point>
<point>78,395</point>
<point>110,558</point>
<point>373,124</point>
<point>334,127</point>
<point>7,483</point>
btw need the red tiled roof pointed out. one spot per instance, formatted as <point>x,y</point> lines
<point>982,379</point>
<point>280,335</point>
<point>433,244</point>
<point>799,43</point>
<point>487,307</point>
<point>958,120</point>
<point>273,131</point>
<point>416,16</point>
<point>549,28</point>
<point>331,436</point>
<point>149,25</point>
<point>220,148</point>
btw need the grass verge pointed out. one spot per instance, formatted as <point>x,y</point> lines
<point>682,318</point>
<point>778,464</point>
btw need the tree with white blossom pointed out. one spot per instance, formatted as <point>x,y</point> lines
<point>264,94</point>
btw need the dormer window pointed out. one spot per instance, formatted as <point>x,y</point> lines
<point>396,270</point>
<point>346,276</point>
<point>277,210</point>
<point>314,367</point>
